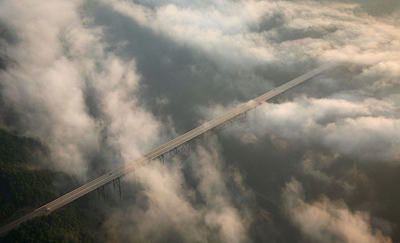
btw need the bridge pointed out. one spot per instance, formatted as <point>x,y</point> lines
<point>113,176</point>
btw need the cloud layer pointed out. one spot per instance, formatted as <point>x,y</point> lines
<point>327,221</point>
<point>67,90</point>
<point>168,208</point>
<point>100,83</point>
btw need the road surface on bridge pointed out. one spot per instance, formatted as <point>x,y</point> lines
<point>161,150</point>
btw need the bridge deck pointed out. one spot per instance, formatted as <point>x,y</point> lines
<point>153,154</point>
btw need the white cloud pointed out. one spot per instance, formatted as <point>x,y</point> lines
<point>201,214</point>
<point>57,58</point>
<point>223,31</point>
<point>327,221</point>
<point>313,163</point>
<point>367,130</point>
<point>59,55</point>
<point>312,31</point>
<point>347,128</point>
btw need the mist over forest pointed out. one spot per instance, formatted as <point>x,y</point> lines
<point>87,86</point>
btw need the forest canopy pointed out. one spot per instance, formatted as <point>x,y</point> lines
<point>22,189</point>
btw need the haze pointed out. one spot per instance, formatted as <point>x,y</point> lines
<point>100,83</point>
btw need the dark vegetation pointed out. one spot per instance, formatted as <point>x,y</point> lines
<point>23,188</point>
<point>64,226</point>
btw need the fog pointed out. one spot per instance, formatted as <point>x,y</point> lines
<point>102,82</point>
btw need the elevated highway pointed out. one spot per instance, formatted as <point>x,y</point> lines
<point>161,150</point>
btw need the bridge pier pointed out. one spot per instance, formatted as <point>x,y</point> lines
<point>186,150</point>
<point>117,187</point>
<point>173,152</point>
<point>161,158</point>
<point>242,117</point>
<point>183,151</point>
<point>101,192</point>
